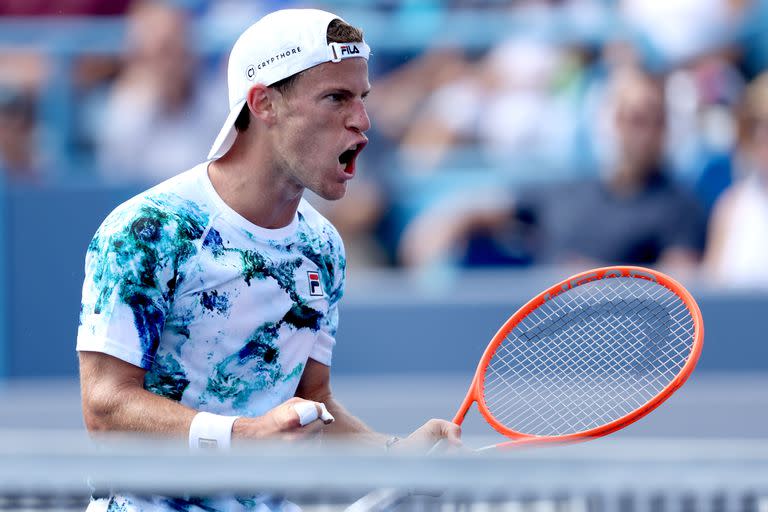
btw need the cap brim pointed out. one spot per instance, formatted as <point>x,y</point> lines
<point>227,134</point>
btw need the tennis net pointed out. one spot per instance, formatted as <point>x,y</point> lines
<point>59,470</point>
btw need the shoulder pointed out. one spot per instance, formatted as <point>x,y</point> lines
<point>318,226</point>
<point>170,211</point>
<point>731,198</point>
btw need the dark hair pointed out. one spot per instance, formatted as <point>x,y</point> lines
<point>338,32</point>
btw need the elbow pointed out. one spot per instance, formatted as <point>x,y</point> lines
<point>94,422</point>
<point>99,412</point>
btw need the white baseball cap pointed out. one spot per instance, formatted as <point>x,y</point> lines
<point>277,46</point>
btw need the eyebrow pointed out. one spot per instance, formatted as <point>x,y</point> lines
<point>346,92</point>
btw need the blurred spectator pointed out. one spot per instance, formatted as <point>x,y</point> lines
<point>400,94</point>
<point>676,31</point>
<point>737,248</point>
<point>633,214</point>
<point>496,108</point>
<point>696,42</point>
<point>22,72</point>
<point>701,97</point>
<point>161,113</point>
<point>718,127</point>
<point>18,162</point>
<point>62,7</point>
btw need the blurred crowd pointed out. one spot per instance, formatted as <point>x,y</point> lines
<point>580,132</point>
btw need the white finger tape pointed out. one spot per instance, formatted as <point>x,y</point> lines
<point>325,415</point>
<point>307,412</point>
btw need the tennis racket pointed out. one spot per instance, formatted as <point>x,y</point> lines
<point>584,358</point>
<point>587,357</point>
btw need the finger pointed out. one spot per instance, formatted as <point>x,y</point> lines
<point>307,431</point>
<point>452,434</point>
<point>312,429</point>
<point>326,416</point>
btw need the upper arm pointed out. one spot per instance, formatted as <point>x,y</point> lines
<point>102,379</point>
<point>315,383</point>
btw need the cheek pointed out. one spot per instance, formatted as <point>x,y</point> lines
<point>318,136</point>
<point>309,136</point>
<point>295,140</point>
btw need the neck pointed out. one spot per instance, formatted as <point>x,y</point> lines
<point>252,186</point>
<point>629,178</point>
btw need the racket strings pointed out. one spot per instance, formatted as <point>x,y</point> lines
<point>588,356</point>
<point>569,402</point>
<point>591,385</point>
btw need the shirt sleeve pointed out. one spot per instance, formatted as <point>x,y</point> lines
<point>322,350</point>
<point>128,286</point>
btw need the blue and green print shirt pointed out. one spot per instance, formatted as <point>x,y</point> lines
<point>221,313</point>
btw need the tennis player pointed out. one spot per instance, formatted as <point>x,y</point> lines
<point>210,302</point>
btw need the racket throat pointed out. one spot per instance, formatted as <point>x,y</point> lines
<point>464,408</point>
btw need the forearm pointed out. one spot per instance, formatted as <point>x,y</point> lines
<point>315,386</point>
<point>136,410</point>
<point>114,400</point>
<point>347,425</point>
<point>422,439</point>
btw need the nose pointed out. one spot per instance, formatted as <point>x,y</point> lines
<point>358,119</point>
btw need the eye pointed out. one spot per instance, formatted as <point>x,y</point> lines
<point>336,97</point>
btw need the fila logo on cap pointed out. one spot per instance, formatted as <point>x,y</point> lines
<point>315,289</point>
<point>349,50</point>
<point>341,51</point>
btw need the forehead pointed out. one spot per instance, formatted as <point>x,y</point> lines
<point>640,94</point>
<point>350,74</point>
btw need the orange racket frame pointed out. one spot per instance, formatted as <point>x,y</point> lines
<point>475,393</point>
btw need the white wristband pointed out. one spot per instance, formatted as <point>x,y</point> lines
<point>211,431</point>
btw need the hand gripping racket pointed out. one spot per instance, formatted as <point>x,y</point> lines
<point>587,357</point>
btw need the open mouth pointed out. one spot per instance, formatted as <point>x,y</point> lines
<point>347,158</point>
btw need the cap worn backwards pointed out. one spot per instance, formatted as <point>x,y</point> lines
<point>277,46</point>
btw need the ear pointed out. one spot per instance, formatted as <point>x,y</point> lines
<point>261,103</point>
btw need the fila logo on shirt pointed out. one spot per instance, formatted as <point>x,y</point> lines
<point>315,288</point>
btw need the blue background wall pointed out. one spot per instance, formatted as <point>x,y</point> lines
<point>398,331</point>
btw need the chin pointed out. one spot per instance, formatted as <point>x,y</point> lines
<point>332,194</point>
